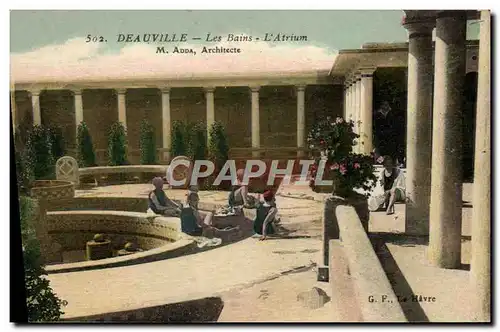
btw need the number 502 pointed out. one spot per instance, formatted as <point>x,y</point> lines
<point>94,39</point>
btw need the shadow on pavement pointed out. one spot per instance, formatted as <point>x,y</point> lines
<point>412,310</point>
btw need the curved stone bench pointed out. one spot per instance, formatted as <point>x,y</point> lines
<point>101,172</point>
<point>123,169</point>
<point>160,236</point>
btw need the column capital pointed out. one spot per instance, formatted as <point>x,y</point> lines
<point>164,89</point>
<point>367,72</point>
<point>35,92</point>
<point>77,91</point>
<point>356,77</point>
<point>121,91</point>
<point>209,89</point>
<point>255,88</point>
<point>301,87</point>
<point>420,28</point>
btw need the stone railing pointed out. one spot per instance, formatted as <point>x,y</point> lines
<point>361,290</point>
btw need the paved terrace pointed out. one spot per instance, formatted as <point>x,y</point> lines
<point>404,260</point>
<point>221,270</point>
<point>243,265</point>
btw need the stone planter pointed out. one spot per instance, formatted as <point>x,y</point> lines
<point>52,190</point>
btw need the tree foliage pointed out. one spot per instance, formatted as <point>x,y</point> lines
<point>179,139</point>
<point>57,142</point>
<point>117,145</point>
<point>38,158</point>
<point>147,144</point>
<point>42,304</point>
<point>86,152</point>
<point>218,148</point>
<point>197,141</point>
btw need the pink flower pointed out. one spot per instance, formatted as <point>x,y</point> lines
<point>342,169</point>
<point>380,160</point>
<point>356,165</point>
<point>334,166</point>
<point>339,120</point>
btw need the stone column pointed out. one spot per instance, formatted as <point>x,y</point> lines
<point>366,131</point>
<point>446,182</point>
<point>301,119</point>
<point>122,107</point>
<point>481,213</point>
<point>419,131</point>
<point>348,100</point>
<point>35,103</point>
<point>78,110</point>
<point>255,121</point>
<point>166,122</point>
<point>356,111</point>
<point>209,95</point>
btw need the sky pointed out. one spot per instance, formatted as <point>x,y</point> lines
<point>50,45</point>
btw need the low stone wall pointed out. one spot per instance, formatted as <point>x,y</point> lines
<point>356,274</point>
<point>51,190</point>
<point>133,204</point>
<point>114,222</point>
<point>161,237</point>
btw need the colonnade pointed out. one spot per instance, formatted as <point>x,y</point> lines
<point>166,114</point>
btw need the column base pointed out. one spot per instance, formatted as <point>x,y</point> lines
<point>255,154</point>
<point>443,260</point>
<point>417,221</point>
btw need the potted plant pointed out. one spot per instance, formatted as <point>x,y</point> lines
<point>352,174</point>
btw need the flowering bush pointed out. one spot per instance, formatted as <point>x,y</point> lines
<point>335,140</point>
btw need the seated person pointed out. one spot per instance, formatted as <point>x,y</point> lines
<point>265,217</point>
<point>239,196</point>
<point>193,221</point>
<point>159,203</point>
<point>393,183</point>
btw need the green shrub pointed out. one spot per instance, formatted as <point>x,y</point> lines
<point>42,304</point>
<point>85,153</point>
<point>179,140</point>
<point>117,145</point>
<point>218,148</point>
<point>197,141</point>
<point>38,160</point>
<point>147,143</point>
<point>58,143</point>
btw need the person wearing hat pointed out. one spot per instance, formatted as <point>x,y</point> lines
<point>266,215</point>
<point>159,203</point>
<point>193,221</point>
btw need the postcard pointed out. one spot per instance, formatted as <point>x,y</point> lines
<point>244,166</point>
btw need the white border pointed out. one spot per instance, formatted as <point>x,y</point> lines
<point>185,4</point>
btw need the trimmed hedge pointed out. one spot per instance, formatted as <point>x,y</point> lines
<point>117,145</point>
<point>38,159</point>
<point>179,144</point>
<point>147,144</point>
<point>86,152</point>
